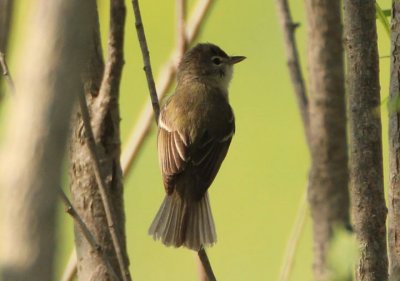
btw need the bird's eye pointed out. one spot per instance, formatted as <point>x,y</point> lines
<point>216,61</point>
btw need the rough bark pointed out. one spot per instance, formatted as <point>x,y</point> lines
<point>33,151</point>
<point>368,203</point>
<point>328,178</point>
<point>6,8</point>
<point>394,147</point>
<point>102,92</point>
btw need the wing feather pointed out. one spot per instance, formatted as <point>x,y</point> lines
<point>172,153</point>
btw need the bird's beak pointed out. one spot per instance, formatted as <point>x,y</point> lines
<point>236,59</point>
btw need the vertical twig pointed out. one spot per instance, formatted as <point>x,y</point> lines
<point>86,232</point>
<point>6,74</point>
<point>206,264</point>
<point>394,144</point>
<point>109,88</point>
<point>103,189</point>
<point>288,28</point>
<point>146,59</point>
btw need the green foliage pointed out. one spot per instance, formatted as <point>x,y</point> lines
<point>382,15</point>
<point>387,12</point>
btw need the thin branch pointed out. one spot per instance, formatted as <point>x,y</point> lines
<point>181,38</point>
<point>6,73</point>
<point>85,230</point>
<point>109,89</point>
<point>197,19</point>
<point>88,235</point>
<point>71,269</point>
<point>201,271</point>
<point>206,265</point>
<point>142,127</point>
<point>102,188</point>
<point>146,58</point>
<point>288,29</point>
<point>293,243</point>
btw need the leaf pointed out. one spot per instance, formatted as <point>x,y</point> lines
<point>380,15</point>
<point>387,12</point>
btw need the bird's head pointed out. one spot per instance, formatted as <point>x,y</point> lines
<point>207,63</point>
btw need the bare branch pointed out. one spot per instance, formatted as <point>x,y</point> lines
<point>110,83</point>
<point>394,144</point>
<point>146,59</point>
<point>201,271</point>
<point>71,269</point>
<point>102,188</point>
<point>197,19</point>
<point>86,232</point>
<point>142,127</point>
<point>181,38</point>
<point>6,73</point>
<point>288,29</point>
<point>206,264</point>
<point>366,167</point>
<point>71,210</point>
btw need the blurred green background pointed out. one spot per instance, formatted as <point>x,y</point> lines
<point>256,195</point>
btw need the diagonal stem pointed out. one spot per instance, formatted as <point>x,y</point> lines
<point>88,235</point>
<point>102,188</point>
<point>206,264</point>
<point>146,59</point>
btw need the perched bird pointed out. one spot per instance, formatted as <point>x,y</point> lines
<point>195,129</point>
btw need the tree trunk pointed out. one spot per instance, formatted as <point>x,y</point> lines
<point>102,95</point>
<point>328,178</point>
<point>368,202</point>
<point>33,151</point>
<point>394,145</point>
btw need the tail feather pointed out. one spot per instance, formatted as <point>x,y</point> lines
<point>180,223</point>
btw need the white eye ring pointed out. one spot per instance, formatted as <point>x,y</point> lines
<point>216,60</point>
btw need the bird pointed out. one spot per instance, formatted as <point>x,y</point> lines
<point>195,128</point>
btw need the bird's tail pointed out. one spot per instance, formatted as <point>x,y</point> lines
<point>180,223</point>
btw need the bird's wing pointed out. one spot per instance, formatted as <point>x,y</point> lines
<point>207,158</point>
<point>172,152</point>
